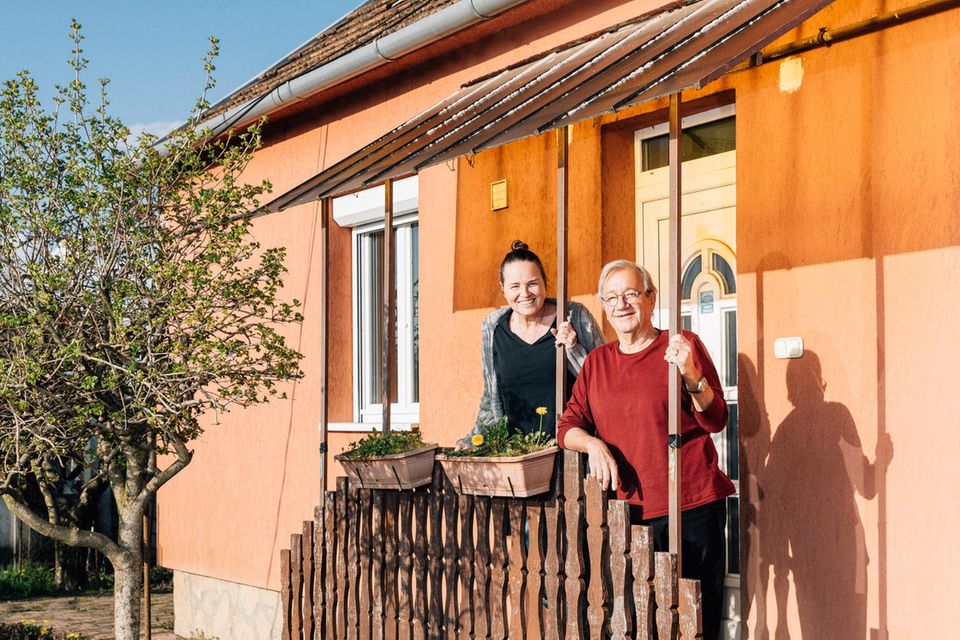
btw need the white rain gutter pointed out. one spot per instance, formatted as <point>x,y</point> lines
<point>390,47</point>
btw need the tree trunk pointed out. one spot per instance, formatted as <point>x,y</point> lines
<point>69,572</point>
<point>128,578</point>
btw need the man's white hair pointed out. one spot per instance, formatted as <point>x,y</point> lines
<point>620,265</point>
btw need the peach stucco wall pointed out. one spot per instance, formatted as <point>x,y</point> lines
<point>848,234</point>
<point>848,229</point>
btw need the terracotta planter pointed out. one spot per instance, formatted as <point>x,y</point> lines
<point>398,471</point>
<point>511,477</point>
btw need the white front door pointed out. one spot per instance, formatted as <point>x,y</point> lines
<point>708,286</point>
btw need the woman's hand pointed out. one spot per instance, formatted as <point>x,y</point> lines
<point>680,353</point>
<point>603,467</point>
<point>565,335</point>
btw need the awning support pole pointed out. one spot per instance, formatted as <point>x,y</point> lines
<point>673,438</point>
<point>324,257</point>
<point>386,289</point>
<point>562,201</point>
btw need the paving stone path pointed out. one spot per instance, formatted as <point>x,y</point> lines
<point>91,615</point>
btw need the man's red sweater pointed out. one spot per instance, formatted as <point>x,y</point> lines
<point>622,399</point>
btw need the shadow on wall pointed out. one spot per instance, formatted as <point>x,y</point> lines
<point>806,522</point>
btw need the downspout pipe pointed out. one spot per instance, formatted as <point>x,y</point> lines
<point>381,51</point>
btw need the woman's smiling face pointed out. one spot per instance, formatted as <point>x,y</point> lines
<point>523,288</point>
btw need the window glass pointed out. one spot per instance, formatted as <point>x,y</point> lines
<point>404,354</point>
<point>723,269</point>
<point>703,140</point>
<point>693,270</point>
<point>730,344</point>
<point>415,291</point>
<point>733,534</point>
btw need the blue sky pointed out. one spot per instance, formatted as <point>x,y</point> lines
<point>152,51</point>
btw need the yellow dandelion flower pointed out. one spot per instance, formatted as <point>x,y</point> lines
<point>541,411</point>
<point>477,440</point>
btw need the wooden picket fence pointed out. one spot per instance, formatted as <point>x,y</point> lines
<point>432,564</point>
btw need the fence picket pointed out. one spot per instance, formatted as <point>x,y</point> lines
<point>339,530</point>
<point>641,560</point>
<point>534,570</point>
<point>319,595</point>
<point>331,592</point>
<point>296,586</point>
<point>598,592</point>
<point>517,574</point>
<point>285,599</point>
<point>405,579</point>
<point>551,577</point>
<point>689,610</point>
<point>420,508</point>
<point>481,614</point>
<point>436,555</point>
<point>352,603</point>
<point>618,527</point>
<point>366,551</point>
<point>574,567</point>
<point>498,565</point>
<point>306,553</point>
<point>666,585</point>
<point>450,561</point>
<point>391,507</point>
<point>377,567</point>
<point>466,569</point>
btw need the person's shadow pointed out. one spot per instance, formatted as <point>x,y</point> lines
<point>809,522</point>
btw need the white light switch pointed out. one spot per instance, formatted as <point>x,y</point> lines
<point>788,348</point>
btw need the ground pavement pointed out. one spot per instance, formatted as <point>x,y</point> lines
<point>90,615</point>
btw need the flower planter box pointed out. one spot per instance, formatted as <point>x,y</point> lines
<point>511,477</point>
<point>398,471</point>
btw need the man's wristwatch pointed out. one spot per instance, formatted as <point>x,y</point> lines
<point>701,383</point>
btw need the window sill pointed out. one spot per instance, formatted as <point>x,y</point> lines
<point>362,427</point>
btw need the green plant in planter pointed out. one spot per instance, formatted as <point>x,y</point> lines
<point>377,444</point>
<point>498,441</point>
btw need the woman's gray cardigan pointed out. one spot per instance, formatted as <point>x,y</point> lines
<point>589,337</point>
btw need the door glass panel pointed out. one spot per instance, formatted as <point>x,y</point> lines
<point>730,347</point>
<point>722,268</point>
<point>693,270</point>
<point>733,534</point>
<point>700,141</point>
<point>732,436</point>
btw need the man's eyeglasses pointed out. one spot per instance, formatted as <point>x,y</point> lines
<point>630,296</point>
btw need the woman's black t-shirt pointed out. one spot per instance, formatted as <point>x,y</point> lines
<point>526,375</point>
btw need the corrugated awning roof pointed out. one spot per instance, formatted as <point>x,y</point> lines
<point>664,53</point>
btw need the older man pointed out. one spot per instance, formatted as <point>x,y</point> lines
<point>617,415</point>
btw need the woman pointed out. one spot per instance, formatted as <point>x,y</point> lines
<point>519,344</point>
<point>617,415</point>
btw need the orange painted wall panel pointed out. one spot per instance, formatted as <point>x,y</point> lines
<point>848,200</point>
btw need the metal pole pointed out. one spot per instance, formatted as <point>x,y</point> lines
<point>386,284</point>
<point>673,438</point>
<point>562,203</point>
<point>325,206</point>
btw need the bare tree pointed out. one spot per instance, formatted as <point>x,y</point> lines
<point>133,302</point>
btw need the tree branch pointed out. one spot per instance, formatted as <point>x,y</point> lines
<point>67,535</point>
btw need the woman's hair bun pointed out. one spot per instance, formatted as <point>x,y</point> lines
<point>519,245</point>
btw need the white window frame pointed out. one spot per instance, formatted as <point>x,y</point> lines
<point>363,212</point>
<point>405,410</point>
